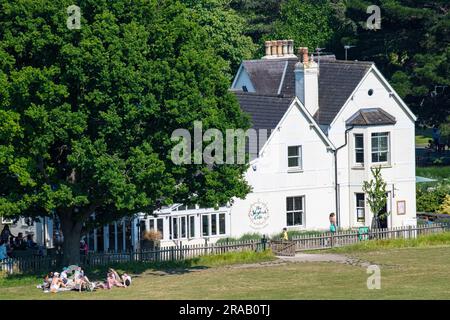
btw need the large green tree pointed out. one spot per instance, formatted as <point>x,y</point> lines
<point>86,115</point>
<point>307,22</point>
<point>412,48</point>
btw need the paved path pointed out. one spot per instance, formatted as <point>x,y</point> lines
<point>325,257</point>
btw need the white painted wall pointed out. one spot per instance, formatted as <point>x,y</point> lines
<point>399,174</point>
<point>272,182</point>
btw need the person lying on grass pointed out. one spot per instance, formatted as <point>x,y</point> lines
<point>110,282</point>
<point>124,279</point>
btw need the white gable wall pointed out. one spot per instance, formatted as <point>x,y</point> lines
<point>399,174</point>
<point>272,182</point>
<point>243,79</point>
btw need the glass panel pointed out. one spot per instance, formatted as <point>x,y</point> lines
<point>382,157</point>
<point>112,242</point>
<point>152,224</point>
<point>160,227</point>
<point>120,236</point>
<point>175,228</point>
<point>293,151</point>
<point>292,162</point>
<point>290,219</point>
<point>298,203</point>
<point>100,237</point>
<point>359,141</point>
<point>359,156</point>
<point>183,227</point>
<point>360,214</point>
<point>128,231</point>
<point>383,143</point>
<point>222,223</point>
<point>213,224</point>
<point>298,218</point>
<point>192,226</point>
<point>205,226</point>
<point>289,204</point>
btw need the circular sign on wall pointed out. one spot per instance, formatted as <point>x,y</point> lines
<point>258,214</point>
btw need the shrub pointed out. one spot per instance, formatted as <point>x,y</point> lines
<point>244,237</point>
<point>430,198</point>
<point>152,235</point>
<point>445,206</point>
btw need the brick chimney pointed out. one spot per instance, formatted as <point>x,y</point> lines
<point>279,49</point>
<point>307,81</point>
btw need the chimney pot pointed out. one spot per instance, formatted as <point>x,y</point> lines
<point>280,47</point>
<point>290,46</point>
<point>268,48</point>
<point>285,47</point>
<point>303,52</point>
<point>273,46</point>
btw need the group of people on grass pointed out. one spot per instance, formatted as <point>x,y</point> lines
<point>74,278</point>
<point>9,243</point>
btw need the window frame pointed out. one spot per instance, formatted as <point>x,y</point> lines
<point>299,158</point>
<point>357,150</point>
<point>358,207</point>
<point>295,211</point>
<point>378,152</point>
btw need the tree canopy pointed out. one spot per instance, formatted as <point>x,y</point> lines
<point>86,115</point>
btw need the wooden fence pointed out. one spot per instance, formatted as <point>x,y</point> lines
<point>183,252</point>
<point>343,238</point>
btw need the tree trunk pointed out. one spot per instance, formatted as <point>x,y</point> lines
<point>71,246</point>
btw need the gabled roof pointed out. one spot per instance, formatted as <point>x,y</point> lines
<point>265,111</point>
<point>370,117</point>
<point>337,81</point>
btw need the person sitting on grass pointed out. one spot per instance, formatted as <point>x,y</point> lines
<point>56,283</point>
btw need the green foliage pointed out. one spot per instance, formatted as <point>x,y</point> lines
<point>412,49</point>
<point>307,22</point>
<point>375,190</point>
<point>438,173</point>
<point>86,115</point>
<point>225,27</point>
<point>445,206</point>
<point>429,198</point>
<point>259,15</point>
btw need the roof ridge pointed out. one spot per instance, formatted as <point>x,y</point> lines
<point>255,94</point>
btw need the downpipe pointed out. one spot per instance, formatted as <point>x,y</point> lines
<point>336,184</point>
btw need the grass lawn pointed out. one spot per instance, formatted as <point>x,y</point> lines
<point>439,173</point>
<point>419,272</point>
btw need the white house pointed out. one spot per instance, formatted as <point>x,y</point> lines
<point>330,122</point>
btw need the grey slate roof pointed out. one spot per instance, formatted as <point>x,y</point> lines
<point>265,111</point>
<point>370,117</point>
<point>337,80</point>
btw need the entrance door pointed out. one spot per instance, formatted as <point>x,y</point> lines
<point>383,216</point>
